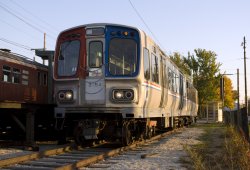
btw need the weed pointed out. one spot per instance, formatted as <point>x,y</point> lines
<point>236,150</point>
<point>222,148</point>
<point>197,160</point>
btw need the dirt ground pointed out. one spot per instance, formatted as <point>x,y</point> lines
<point>214,140</point>
<point>219,149</point>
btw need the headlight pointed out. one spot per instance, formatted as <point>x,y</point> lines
<point>123,95</point>
<point>68,95</point>
<point>65,95</point>
<point>118,94</point>
<point>129,95</point>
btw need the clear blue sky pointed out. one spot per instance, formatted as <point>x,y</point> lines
<point>178,25</point>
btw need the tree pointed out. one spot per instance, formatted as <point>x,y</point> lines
<point>228,93</point>
<point>206,71</point>
<point>235,95</point>
<point>180,62</point>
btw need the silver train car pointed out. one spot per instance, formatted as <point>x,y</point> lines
<point>113,82</point>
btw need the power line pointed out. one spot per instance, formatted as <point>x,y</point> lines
<point>24,21</point>
<point>138,14</point>
<point>28,12</point>
<point>19,29</point>
<point>16,44</point>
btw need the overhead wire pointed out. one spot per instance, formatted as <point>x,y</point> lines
<point>21,30</point>
<point>55,30</point>
<point>15,44</point>
<point>24,21</point>
<point>144,22</point>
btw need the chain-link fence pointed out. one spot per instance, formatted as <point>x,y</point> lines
<point>239,120</point>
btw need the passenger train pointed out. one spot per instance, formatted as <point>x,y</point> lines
<point>113,82</point>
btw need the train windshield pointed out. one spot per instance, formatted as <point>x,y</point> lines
<point>122,57</point>
<point>68,58</point>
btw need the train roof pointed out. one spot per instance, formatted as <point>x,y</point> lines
<point>99,25</point>
<point>6,55</point>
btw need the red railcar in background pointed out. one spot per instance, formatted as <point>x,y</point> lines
<point>22,80</point>
<point>24,99</point>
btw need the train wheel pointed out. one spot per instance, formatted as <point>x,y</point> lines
<point>126,135</point>
<point>149,132</point>
<point>79,138</point>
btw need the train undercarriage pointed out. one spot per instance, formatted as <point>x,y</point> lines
<point>113,128</point>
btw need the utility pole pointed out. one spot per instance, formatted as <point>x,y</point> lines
<point>44,41</point>
<point>44,45</point>
<point>245,74</point>
<point>238,91</point>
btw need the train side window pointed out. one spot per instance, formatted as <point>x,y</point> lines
<point>155,68</point>
<point>16,76</point>
<point>25,77</point>
<point>6,74</point>
<point>169,79</point>
<point>39,78</point>
<point>95,54</point>
<point>146,64</point>
<point>45,79</point>
<point>176,84</point>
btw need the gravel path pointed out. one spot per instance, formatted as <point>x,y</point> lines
<point>164,154</point>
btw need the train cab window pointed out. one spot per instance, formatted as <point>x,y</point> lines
<point>155,68</point>
<point>6,74</point>
<point>68,58</point>
<point>122,57</point>
<point>146,64</point>
<point>16,76</point>
<point>95,54</point>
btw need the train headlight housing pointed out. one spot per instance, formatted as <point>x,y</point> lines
<point>65,95</point>
<point>123,95</point>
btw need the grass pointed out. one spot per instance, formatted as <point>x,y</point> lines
<point>222,148</point>
<point>237,150</point>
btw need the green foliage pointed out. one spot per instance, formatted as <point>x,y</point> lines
<point>229,95</point>
<point>205,75</point>
<point>180,61</point>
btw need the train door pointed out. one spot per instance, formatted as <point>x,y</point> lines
<point>164,93</point>
<point>181,92</point>
<point>94,83</point>
<point>146,64</point>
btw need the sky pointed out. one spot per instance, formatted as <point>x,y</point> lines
<point>176,25</point>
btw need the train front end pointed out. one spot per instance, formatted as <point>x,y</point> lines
<point>96,89</point>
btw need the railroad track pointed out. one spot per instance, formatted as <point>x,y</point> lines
<point>68,158</point>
